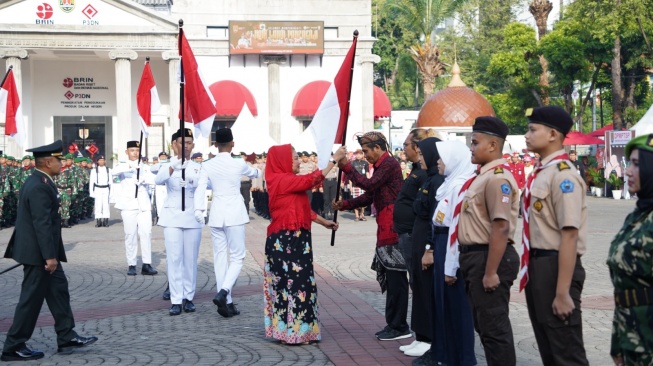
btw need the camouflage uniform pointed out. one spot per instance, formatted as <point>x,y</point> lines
<point>11,204</point>
<point>4,188</point>
<point>64,186</point>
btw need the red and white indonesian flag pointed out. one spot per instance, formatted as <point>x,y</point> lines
<point>328,125</point>
<point>147,99</point>
<point>10,106</point>
<point>198,100</point>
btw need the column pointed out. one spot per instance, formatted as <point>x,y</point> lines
<point>274,95</point>
<point>172,58</point>
<point>123,131</point>
<point>367,89</point>
<point>13,57</point>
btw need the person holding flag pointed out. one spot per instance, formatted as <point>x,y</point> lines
<point>554,237</point>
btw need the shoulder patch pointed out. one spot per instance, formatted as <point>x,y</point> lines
<point>414,176</point>
<point>44,180</point>
<point>567,186</point>
<point>498,170</point>
<point>505,188</point>
<point>563,166</point>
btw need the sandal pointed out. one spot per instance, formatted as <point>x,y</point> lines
<point>363,218</point>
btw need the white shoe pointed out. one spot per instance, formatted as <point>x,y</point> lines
<point>418,350</point>
<point>409,346</point>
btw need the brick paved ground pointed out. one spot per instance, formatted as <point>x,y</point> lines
<point>131,320</point>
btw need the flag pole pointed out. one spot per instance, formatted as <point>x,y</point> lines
<point>344,139</point>
<point>182,109</point>
<point>6,74</point>
<point>140,148</point>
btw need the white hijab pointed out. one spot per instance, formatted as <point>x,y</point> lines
<point>458,167</point>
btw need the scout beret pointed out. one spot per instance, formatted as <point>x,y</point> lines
<point>133,144</point>
<point>54,149</point>
<point>644,142</point>
<point>223,135</point>
<point>196,155</point>
<point>69,156</point>
<point>551,116</point>
<point>490,125</point>
<point>187,132</point>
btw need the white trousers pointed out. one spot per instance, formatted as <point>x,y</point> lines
<point>230,238</point>
<point>102,209</point>
<point>137,221</point>
<point>182,249</point>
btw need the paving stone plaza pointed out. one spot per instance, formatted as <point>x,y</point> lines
<point>132,323</point>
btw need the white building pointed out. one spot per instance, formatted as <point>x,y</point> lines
<point>78,63</point>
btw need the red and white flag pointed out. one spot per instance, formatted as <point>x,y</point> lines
<point>10,106</point>
<point>198,100</point>
<point>328,125</point>
<point>147,99</point>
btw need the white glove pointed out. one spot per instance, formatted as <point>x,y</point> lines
<point>176,164</point>
<point>182,183</point>
<point>199,216</point>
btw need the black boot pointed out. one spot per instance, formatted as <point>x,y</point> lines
<point>106,222</point>
<point>148,270</point>
<point>65,224</point>
<point>98,223</point>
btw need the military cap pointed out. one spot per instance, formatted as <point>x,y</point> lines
<point>10,158</point>
<point>490,125</point>
<point>100,157</point>
<point>26,157</point>
<point>258,156</point>
<point>31,157</point>
<point>54,149</point>
<point>223,136</point>
<point>551,116</point>
<point>69,156</point>
<point>133,144</point>
<point>163,153</point>
<point>78,160</point>
<point>644,142</point>
<point>187,132</point>
<point>196,155</point>
<point>313,153</point>
<point>89,160</point>
<point>302,154</point>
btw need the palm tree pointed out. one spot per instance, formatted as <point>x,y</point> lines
<point>422,17</point>
<point>540,10</point>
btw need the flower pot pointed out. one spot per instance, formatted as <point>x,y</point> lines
<point>599,192</point>
<point>593,190</point>
<point>616,194</point>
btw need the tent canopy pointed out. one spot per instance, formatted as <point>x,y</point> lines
<point>645,125</point>
<point>579,138</point>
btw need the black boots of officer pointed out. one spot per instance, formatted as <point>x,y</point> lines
<point>98,223</point>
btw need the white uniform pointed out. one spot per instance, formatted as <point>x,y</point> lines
<point>228,215</point>
<point>160,191</point>
<point>99,186</point>
<point>136,213</point>
<point>182,233</point>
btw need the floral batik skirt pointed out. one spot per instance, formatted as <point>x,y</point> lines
<point>289,288</point>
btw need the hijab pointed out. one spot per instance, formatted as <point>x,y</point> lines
<point>458,167</point>
<point>430,154</point>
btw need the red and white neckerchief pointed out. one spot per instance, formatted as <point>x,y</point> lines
<point>526,233</point>
<point>453,238</point>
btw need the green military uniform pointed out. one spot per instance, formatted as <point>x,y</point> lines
<point>11,203</point>
<point>630,260</point>
<point>3,190</point>
<point>65,185</point>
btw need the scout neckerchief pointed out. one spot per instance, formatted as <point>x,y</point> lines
<point>526,243</point>
<point>453,239</point>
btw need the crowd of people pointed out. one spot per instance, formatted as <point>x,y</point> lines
<point>445,217</point>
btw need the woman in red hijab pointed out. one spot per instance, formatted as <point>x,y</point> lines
<point>290,290</point>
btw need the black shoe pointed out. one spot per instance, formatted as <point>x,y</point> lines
<point>233,310</point>
<point>65,224</point>
<point>131,271</point>
<point>106,223</point>
<point>386,329</point>
<point>175,310</point>
<point>188,306</point>
<point>166,293</point>
<point>221,301</point>
<point>76,343</point>
<point>21,354</point>
<point>148,270</point>
<point>98,223</point>
<point>424,360</point>
<point>393,335</point>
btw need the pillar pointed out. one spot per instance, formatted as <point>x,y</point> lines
<point>13,57</point>
<point>274,95</point>
<point>172,58</point>
<point>123,131</point>
<point>367,89</point>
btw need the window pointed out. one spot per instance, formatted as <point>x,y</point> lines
<point>217,32</point>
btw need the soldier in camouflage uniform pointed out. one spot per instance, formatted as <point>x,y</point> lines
<point>22,174</point>
<point>10,206</point>
<point>64,182</point>
<point>631,264</point>
<point>3,186</point>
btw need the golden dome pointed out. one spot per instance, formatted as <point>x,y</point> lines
<point>455,106</point>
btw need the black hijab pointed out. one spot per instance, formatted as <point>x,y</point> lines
<point>430,154</point>
<point>645,194</point>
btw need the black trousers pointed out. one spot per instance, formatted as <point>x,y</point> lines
<point>560,341</point>
<point>39,285</point>
<point>490,309</point>
<point>244,191</point>
<point>330,188</point>
<point>396,300</point>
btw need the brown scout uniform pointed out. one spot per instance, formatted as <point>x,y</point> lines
<point>492,196</point>
<point>557,201</point>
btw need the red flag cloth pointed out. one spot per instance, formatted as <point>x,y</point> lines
<point>198,101</point>
<point>10,106</point>
<point>147,99</point>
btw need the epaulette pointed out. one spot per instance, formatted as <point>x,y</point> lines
<point>414,176</point>
<point>44,180</point>
<point>563,166</point>
<point>498,170</point>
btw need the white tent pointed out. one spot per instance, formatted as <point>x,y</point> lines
<point>250,134</point>
<point>645,125</point>
<point>514,143</point>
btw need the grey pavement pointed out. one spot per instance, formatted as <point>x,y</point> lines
<point>132,321</point>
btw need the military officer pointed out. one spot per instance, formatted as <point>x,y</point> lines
<point>100,188</point>
<point>181,231</point>
<point>36,244</point>
<point>555,222</point>
<point>488,206</point>
<point>136,209</point>
<point>228,216</point>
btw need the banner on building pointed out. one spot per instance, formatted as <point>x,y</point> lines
<point>274,37</point>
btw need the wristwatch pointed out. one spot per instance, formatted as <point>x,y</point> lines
<point>333,161</point>
<point>428,247</point>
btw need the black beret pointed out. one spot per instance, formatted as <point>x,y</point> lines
<point>54,149</point>
<point>100,157</point>
<point>133,144</point>
<point>196,155</point>
<point>551,116</point>
<point>223,136</point>
<point>313,153</point>
<point>163,153</point>
<point>491,126</point>
<point>187,133</point>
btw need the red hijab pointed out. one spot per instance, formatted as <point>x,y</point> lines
<point>289,206</point>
